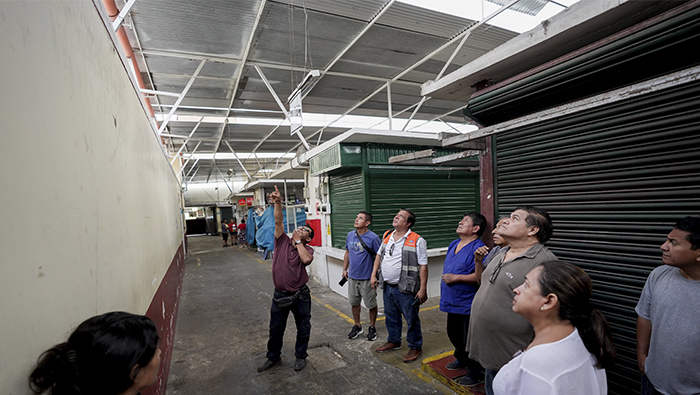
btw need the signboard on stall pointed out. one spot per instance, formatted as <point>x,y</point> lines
<point>249,201</point>
<point>241,202</point>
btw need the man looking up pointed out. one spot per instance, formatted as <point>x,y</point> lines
<point>403,259</point>
<point>457,292</point>
<point>361,247</point>
<point>289,275</point>
<point>668,327</point>
<point>495,331</point>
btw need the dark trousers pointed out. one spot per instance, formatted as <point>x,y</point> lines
<point>457,330</point>
<point>301,309</point>
<point>647,387</point>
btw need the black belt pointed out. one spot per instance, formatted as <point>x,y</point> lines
<point>390,284</point>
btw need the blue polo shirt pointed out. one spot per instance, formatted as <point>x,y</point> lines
<point>457,297</point>
<point>361,262</point>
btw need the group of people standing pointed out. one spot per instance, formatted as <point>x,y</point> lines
<point>236,231</point>
<point>520,319</point>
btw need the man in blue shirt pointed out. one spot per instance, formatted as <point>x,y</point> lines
<point>357,269</point>
<point>457,290</point>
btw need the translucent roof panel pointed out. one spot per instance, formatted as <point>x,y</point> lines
<point>520,17</point>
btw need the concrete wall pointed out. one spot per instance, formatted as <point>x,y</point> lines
<point>107,226</point>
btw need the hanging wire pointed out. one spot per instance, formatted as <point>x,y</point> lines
<point>290,16</point>
<point>306,40</point>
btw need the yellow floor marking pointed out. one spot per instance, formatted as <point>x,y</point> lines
<point>422,375</point>
<point>333,309</point>
<point>435,358</point>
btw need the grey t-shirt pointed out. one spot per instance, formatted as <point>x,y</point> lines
<point>672,303</point>
<point>495,331</point>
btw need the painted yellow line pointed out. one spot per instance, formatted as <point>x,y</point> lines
<point>435,358</point>
<point>333,309</point>
<point>349,319</point>
<point>422,375</point>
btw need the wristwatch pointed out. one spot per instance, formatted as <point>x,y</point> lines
<point>297,242</point>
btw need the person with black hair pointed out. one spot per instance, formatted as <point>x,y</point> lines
<point>291,295</point>
<point>668,328</point>
<point>401,269</point>
<point>572,346</point>
<point>495,332</point>
<point>361,246</point>
<point>457,289</point>
<point>110,354</point>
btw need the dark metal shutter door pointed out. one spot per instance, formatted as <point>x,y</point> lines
<point>347,199</point>
<point>615,180</point>
<point>438,198</point>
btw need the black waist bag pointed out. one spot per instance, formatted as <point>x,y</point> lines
<point>288,300</point>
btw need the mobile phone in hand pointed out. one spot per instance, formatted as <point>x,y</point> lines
<point>342,281</point>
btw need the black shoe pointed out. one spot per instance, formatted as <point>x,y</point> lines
<point>299,364</point>
<point>469,381</point>
<point>455,365</point>
<point>355,332</point>
<point>267,365</point>
<point>372,334</point>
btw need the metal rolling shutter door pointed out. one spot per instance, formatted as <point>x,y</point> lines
<point>347,199</point>
<point>438,198</point>
<point>614,180</point>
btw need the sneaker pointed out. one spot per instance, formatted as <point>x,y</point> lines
<point>372,334</point>
<point>355,332</point>
<point>267,365</point>
<point>469,381</point>
<point>455,365</point>
<point>299,364</point>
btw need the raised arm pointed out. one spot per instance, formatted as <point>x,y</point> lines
<point>279,218</point>
<point>479,255</point>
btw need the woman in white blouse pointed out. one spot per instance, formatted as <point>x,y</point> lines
<point>572,345</point>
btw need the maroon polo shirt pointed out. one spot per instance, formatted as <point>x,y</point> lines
<point>288,272</point>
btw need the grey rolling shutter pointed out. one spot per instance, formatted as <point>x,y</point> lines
<point>615,180</point>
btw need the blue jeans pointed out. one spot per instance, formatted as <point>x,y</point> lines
<point>301,309</point>
<point>488,380</point>
<point>397,304</point>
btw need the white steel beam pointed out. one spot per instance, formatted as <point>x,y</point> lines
<point>187,140</point>
<point>238,159</point>
<point>272,91</point>
<point>182,96</point>
<point>122,15</point>
<point>239,73</point>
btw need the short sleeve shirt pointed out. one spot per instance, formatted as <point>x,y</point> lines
<point>672,303</point>
<point>288,272</point>
<point>361,262</point>
<point>457,297</point>
<point>495,331</point>
<point>391,261</point>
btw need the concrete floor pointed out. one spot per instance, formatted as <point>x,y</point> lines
<point>222,331</point>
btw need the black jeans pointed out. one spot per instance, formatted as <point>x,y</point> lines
<point>301,309</point>
<point>457,330</point>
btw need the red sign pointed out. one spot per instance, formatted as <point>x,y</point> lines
<point>249,201</point>
<point>241,202</point>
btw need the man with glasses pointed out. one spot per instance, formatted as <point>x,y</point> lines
<point>291,257</point>
<point>403,260</point>
<point>495,331</point>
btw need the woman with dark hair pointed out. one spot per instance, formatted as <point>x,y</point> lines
<point>572,345</point>
<point>111,354</point>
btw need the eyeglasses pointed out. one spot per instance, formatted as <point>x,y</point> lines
<point>391,249</point>
<point>495,272</point>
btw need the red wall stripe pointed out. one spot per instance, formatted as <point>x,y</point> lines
<point>163,310</point>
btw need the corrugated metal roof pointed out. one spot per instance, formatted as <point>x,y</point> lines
<point>529,7</point>
<point>177,34</point>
